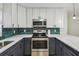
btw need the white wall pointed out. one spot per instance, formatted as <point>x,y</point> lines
<point>73,25</point>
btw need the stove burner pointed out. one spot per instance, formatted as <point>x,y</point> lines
<point>39,35</point>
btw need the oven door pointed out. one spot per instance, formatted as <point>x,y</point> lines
<point>39,44</point>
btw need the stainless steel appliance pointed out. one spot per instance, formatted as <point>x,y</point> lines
<point>39,35</point>
<point>39,26</point>
<point>40,46</point>
<point>39,39</point>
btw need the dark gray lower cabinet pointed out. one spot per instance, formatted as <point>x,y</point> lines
<point>15,50</point>
<point>58,48</point>
<point>21,48</point>
<point>68,51</point>
<point>27,46</point>
<point>51,46</point>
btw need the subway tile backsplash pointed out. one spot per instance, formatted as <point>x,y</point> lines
<point>25,31</point>
<point>54,30</point>
<point>8,32</point>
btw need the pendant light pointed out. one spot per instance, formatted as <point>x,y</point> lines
<point>74,16</point>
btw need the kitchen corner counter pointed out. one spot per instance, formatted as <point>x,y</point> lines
<point>70,40</point>
<point>15,39</point>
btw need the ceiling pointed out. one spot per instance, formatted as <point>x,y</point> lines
<point>67,6</point>
<point>43,4</point>
<point>49,4</point>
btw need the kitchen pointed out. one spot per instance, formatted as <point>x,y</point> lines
<point>39,29</point>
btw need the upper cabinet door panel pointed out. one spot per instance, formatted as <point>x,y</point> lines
<point>43,13</point>
<point>59,18</point>
<point>21,16</point>
<point>51,17</point>
<point>14,15</point>
<point>29,17</point>
<point>1,19</point>
<point>24,17</point>
<point>35,13</point>
<point>1,15</point>
<point>7,16</point>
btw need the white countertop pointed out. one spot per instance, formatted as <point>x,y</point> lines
<point>15,39</point>
<point>70,40</point>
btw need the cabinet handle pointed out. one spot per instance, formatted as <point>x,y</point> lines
<point>2,26</point>
<point>12,25</point>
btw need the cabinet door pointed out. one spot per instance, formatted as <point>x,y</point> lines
<point>66,51</point>
<point>59,18</point>
<point>43,13</point>
<point>27,46</point>
<point>35,13</point>
<point>50,17</point>
<point>51,46</point>
<point>21,48</point>
<point>21,16</point>
<point>7,15</point>
<point>1,19</point>
<point>29,17</point>
<point>58,48</point>
<point>14,15</point>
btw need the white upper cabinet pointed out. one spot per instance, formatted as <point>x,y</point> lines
<point>56,16</point>
<point>51,14</point>
<point>43,13</point>
<point>21,17</point>
<point>0,20</point>
<point>7,16</point>
<point>1,15</point>
<point>59,18</point>
<point>39,12</point>
<point>14,16</point>
<point>35,13</point>
<point>29,17</point>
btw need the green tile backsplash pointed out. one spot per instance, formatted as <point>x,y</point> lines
<point>27,31</point>
<point>53,30</point>
<point>8,32</point>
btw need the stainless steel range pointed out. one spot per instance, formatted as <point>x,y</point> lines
<point>40,46</point>
<point>40,41</point>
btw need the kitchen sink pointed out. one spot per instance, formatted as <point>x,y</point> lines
<point>4,43</point>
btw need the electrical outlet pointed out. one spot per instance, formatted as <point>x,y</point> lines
<point>14,31</point>
<point>55,30</point>
<point>24,30</point>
